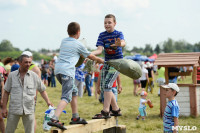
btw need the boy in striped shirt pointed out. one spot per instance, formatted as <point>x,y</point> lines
<point>171,113</point>
<point>112,42</point>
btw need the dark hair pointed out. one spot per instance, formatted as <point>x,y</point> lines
<point>111,16</point>
<point>20,59</point>
<point>73,28</point>
<point>7,60</point>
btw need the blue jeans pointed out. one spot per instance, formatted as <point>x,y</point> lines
<point>88,81</point>
<point>53,81</point>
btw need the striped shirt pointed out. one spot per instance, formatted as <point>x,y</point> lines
<point>106,39</point>
<point>171,111</point>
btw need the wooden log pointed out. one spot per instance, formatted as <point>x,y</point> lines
<point>92,126</point>
<point>193,101</point>
<point>117,129</point>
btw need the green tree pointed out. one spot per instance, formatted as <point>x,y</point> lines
<point>6,45</point>
<point>148,50</point>
<point>196,47</point>
<point>168,46</point>
<point>157,49</point>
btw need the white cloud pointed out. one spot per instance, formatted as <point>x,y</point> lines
<point>32,27</point>
<point>20,2</point>
<point>96,7</point>
<point>44,8</point>
<point>13,2</point>
<point>10,20</point>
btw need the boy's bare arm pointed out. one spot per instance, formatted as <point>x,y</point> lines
<point>95,58</point>
<point>175,124</point>
<point>98,51</point>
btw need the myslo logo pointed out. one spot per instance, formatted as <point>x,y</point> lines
<point>184,128</point>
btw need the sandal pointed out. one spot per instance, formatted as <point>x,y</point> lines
<point>78,121</point>
<point>56,123</point>
<point>116,113</point>
<point>103,115</point>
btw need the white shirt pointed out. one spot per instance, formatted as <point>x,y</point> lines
<point>141,101</point>
<point>144,72</point>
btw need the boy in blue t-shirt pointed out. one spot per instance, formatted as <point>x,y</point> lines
<point>171,113</point>
<point>112,41</point>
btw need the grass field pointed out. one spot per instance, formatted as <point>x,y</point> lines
<point>88,106</point>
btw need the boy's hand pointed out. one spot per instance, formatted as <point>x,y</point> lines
<point>117,43</point>
<point>99,60</point>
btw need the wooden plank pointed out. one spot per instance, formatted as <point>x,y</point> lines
<point>117,129</point>
<point>166,76</point>
<point>180,73</point>
<point>194,75</point>
<point>92,126</point>
<point>162,101</point>
<point>193,101</point>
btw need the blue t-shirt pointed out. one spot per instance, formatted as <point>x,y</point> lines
<point>79,73</point>
<point>171,111</point>
<point>14,67</point>
<point>70,51</point>
<point>106,39</point>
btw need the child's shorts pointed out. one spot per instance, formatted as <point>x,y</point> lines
<point>137,81</point>
<point>143,111</point>
<point>108,76</point>
<point>68,87</point>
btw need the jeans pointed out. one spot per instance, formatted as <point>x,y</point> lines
<point>88,81</point>
<point>53,81</point>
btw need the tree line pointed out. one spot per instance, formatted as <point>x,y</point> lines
<point>167,46</point>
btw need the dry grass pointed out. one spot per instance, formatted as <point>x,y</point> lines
<point>88,106</point>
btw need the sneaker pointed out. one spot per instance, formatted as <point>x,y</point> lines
<point>78,121</point>
<point>137,118</point>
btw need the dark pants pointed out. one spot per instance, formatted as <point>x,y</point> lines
<point>88,81</point>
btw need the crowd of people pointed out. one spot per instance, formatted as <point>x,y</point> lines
<point>21,80</point>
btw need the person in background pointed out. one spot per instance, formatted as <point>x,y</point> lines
<point>171,114</point>
<point>144,79</point>
<point>137,86</point>
<point>8,63</point>
<point>172,79</point>
<point>2,125</point>
<point>21,86</point>
<point>96,75</point>
<point>80,79</point>
<point>52,67</point>
<point>160,78</point>
<point>150,83</point>
<point>15,66</point>
<point>33,67</point>
<point>142,107</point>
<point>55,58</point>
<point>44,70</point>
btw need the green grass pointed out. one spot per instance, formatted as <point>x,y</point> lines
<point>88,106</point>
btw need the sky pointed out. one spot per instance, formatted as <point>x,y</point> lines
<point>37,24</point>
